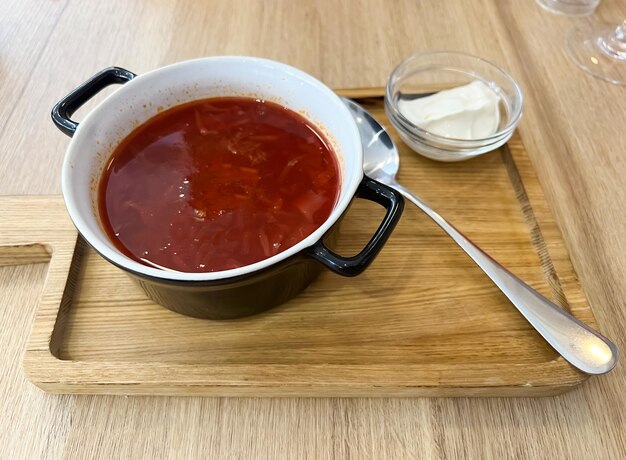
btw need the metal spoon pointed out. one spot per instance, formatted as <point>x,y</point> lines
<point>578,343</point>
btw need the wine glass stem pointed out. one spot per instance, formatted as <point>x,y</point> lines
<point>614,44</point>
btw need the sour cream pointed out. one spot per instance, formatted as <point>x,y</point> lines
<point>465,112</point>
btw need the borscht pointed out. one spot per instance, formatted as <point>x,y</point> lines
<point>217,184</point>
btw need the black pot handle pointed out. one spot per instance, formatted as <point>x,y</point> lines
<point>387,197</point>
<point>66,107</point>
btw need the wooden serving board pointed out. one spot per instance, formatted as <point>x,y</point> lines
<point>423,320</point>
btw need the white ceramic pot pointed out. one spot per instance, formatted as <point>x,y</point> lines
<point>142,97</point>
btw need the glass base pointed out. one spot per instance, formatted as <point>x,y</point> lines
<point>569,7</point>
<point>587,47</point>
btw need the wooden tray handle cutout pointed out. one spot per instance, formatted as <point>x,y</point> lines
<point>30,227</point>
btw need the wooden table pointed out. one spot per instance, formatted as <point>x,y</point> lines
<point>573,127</point>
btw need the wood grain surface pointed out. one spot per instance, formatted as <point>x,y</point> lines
<point>573,128</point>
<point>423,320</point>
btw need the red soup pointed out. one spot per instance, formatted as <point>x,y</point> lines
<point>217,184</point>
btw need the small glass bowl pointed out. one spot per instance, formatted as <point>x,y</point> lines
<point>427,73</point>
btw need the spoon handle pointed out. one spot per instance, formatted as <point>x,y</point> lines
<point>582,346</point>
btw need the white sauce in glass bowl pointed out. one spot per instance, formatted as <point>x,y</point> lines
<point>465,112</point>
